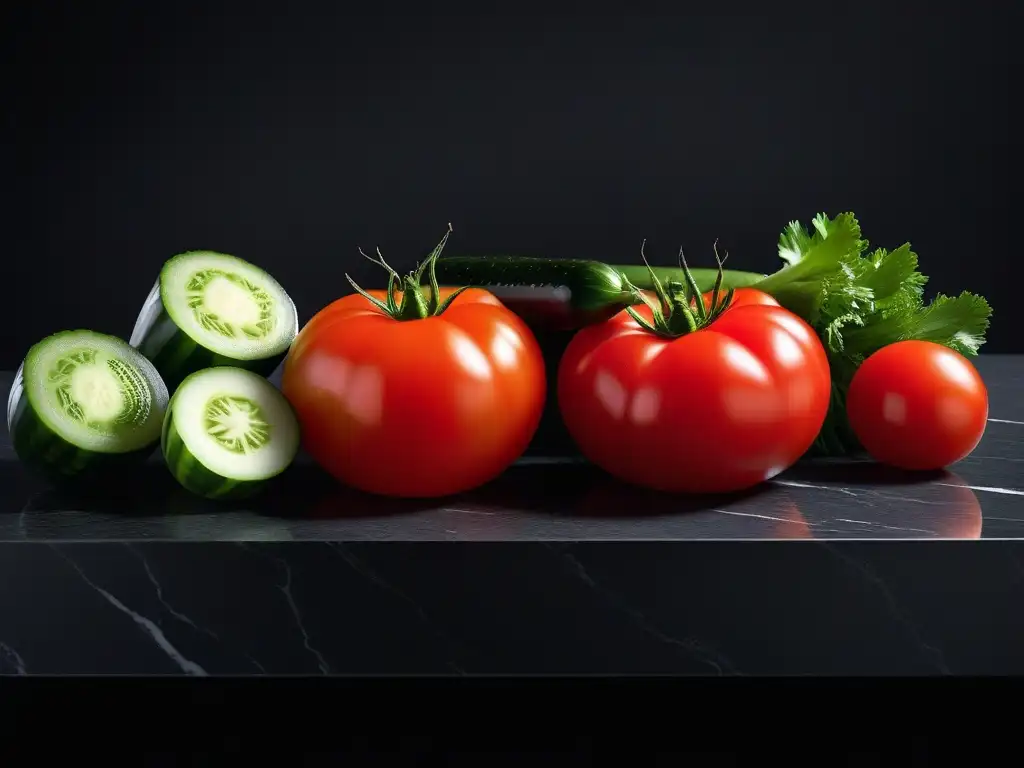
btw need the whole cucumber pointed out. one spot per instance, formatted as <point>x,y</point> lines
<point>640,276</point>
<point>566,294</point>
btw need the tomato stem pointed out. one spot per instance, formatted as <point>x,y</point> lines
<point>413,304</point>
<point>680,308</point>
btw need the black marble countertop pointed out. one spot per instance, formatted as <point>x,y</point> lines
<point>832,568</point>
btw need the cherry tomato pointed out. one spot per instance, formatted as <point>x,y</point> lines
<point>917,405</point>
<point>416,408</point>
<point>716,410</point>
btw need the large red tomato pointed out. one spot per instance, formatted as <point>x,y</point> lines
<point>416,407</point>
<point>917,405</point>
<point>712,410</point>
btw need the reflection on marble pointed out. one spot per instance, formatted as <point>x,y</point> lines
<point>546,501</point>
<point>536,500</point>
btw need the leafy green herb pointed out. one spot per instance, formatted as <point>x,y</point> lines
<point>860,301</point>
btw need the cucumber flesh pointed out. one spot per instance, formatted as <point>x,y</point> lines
<point>81,396</point>
<point>212,309</point>
<point>227,431</point>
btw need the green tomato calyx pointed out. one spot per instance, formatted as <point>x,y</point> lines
<point>680,308</point>
<point>413,305</point>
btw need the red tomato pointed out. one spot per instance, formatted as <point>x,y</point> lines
<point>717,410</point>
<point>917,405</point>
<point>416,408</point>
<point>740,297</point>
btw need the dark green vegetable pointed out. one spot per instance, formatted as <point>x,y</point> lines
<point>565,293</point>
<point>640,276</point>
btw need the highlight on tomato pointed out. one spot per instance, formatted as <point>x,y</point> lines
<point>917,405</point>
<point>710,396</point>
<point>415,392</point>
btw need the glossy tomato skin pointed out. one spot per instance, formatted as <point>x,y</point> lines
<point>715,411</point>
<point>417,408</point>
<point>742,297</point>
<point>917,405</point>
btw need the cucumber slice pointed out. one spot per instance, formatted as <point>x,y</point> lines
<point>210,309</point>
<point>81,400</point>
<point>227,432</point>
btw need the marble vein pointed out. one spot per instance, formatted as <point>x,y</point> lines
<point>859,499</point>
<point>693,647</point>
<point>469,511</point>
<point>975,457</point>
<point>910,629</point>
<point>863,492</point>
<point>371,575</point>
<point>985,488</point>
<point>886,527</point>
<point>11,659</point>
<point>816,526</point>
<point>794,484</point>
<point>286,591</point>
<point>159,590</point>
<point>148,626</point>
<point>758,517</point>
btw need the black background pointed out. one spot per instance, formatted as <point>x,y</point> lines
<point>292,134</point>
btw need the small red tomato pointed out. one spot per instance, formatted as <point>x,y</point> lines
<point>416,399</point>
<point>715,409</point>
<point>917,405</point>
